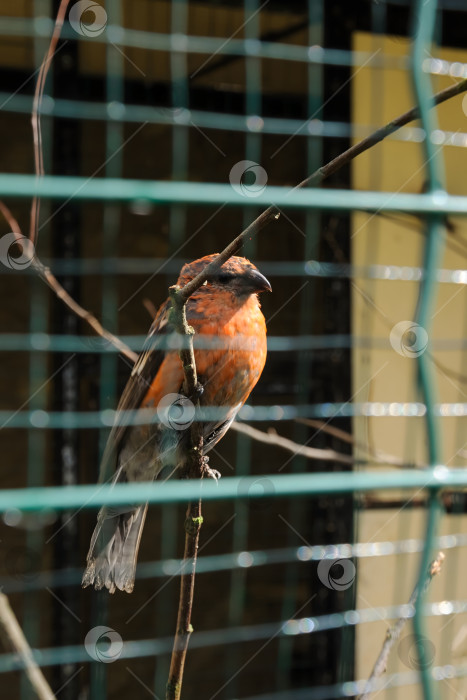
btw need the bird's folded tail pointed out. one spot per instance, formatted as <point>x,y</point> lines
<point>111,560</point>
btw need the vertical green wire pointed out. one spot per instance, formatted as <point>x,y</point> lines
<point>237,596</point>
<point>180,102</point>
<point>109,307</point>
<point>426,13</point>
<point>253,104</point>
<point>38,374</point>
<point>303,376</point>
<point>378,30</point>
<point>253,146</point>
<point>165,601</point>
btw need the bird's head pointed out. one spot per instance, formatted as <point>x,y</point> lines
<point>237,275</point>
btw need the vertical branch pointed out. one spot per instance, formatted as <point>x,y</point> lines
<point>35,116</point>
<point>194,518</point>
<point>44,272</point>
<point>394,632</point>
<point>193,523</point>
<point>13,638</point>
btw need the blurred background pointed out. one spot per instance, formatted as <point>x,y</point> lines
<point>182,92</point>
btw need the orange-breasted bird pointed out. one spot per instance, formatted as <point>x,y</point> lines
<point>224,310</point>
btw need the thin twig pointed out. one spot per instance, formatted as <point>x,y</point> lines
<point>194,518</point>
<point>323,427</point>
<point>262,220</point>
<point>49,278</point>
<point>150,308</point>
<point>35,116</point>
<point>394,632</point>
<point>14,639</point>
<point>271,438</point>
<point>318,176</point>
<point>366,298</point>
<point>44,272</point>
<point>376,455</point>
<point>193,523</point>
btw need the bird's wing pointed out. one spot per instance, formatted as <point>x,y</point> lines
<point>144,370</point>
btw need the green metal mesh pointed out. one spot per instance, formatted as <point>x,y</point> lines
<point>36,418</point>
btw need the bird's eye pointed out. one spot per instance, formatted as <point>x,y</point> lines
<point>225,278</point>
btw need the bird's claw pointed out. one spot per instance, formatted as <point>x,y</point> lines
<point>198,392</point>
<point>210,473</point>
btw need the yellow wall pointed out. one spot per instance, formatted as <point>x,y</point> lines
<point>381,374</point>
<point>155,16</point>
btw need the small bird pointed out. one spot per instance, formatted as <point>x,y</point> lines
<point>230,354</point>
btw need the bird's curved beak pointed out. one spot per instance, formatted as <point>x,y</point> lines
<point>258,281</point>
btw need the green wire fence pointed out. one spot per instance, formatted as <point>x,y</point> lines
<point>143,108</point>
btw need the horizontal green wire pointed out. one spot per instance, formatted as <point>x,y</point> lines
<point>279,412</point>
<point>268,486</point>
<point>119,112</point>
<point>236,560</point>
<point>356,688</point>
<point>165,192</point>
<point>43,342</point>
<point>309,268</point>
<point>208,638</point>
<point>218,46</point>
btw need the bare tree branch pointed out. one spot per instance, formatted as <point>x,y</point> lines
<point>323,427</point>
<point>44,272</point>
<point>262,220</point>
<point>271,438</point>
<point>318,176</point>
<point>14,639</point>
<point>376,455</point>
<point>35,117</point>
<point>193,523</point>
<point>150,308</point>
<point>194,518</point>
<point>49,278</point>
<point>394,632</point>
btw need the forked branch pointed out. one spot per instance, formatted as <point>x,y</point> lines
<point>394,632</point>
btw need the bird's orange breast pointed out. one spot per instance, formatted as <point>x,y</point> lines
<point>230,369</point>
